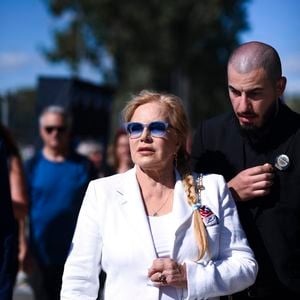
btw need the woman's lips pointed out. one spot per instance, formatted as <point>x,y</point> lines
<point>145,150</point>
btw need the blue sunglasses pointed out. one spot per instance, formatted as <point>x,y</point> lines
<point>156,129</point>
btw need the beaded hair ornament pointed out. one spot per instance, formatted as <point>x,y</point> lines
<point>208,217</point>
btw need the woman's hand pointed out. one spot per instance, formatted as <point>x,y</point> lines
<point>167,272</point>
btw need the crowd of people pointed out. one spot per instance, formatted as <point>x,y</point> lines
<point>160,213</point>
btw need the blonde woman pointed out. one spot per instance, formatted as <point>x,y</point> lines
<point>158,231</point>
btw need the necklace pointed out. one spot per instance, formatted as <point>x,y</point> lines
<point>155,213</point>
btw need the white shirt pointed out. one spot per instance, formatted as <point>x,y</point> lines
<point>163,234</point>
<point>162,230</point>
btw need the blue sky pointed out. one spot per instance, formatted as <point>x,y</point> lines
<point>26,27</point>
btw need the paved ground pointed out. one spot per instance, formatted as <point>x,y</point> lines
<point>22,295</point>
<point>22,289</point>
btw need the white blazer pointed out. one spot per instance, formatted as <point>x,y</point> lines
<point>113,234</point>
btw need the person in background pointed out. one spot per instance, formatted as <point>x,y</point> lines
<point>8,257</point>
<point>119,153</point>
<point>18,191</point>
<point>157,230</point>
<point>256,148</point>
<point>57,180</point>
<point>94,151</point>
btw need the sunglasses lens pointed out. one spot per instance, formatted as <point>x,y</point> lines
<point>134,129</point>
<point>59,129</point>
<point>49,129</point>
<point>158,129</point>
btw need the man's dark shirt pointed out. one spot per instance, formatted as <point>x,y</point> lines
<point>272,223</point>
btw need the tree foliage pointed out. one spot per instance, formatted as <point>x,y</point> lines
<point>179,46</point>
<point>293,101</point>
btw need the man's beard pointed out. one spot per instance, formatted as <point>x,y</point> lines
<point>249,128</point>
<point>254,130</point>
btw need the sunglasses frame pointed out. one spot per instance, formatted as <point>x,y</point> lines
<point>148,126</point>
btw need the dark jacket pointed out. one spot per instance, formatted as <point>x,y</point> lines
<point>8,262</point>
<point>272,223</point>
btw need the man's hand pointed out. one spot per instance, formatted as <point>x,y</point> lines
<point>251,183</point>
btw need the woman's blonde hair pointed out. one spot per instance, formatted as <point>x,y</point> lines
<point>177,118</point>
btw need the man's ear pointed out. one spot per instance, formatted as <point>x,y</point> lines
<point>280,86</point>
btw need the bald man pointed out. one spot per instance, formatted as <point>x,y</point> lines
<point>256,148</point>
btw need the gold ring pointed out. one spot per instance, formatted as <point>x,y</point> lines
<point>162,278</point>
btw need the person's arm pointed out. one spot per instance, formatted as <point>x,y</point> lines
<point>20,203</point>
<point>246,185</point>
<point>252,183</point>
<point>234,268</point>
<point>82,268</point>
<point>18,188</point>
<point>7,232</point>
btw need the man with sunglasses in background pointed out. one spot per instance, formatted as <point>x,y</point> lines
<point>57,180</point>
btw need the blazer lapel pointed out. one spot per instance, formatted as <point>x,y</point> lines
<point>133,208</point>
<point>182,211</point>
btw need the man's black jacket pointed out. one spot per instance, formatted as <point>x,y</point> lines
<point>272,223</point>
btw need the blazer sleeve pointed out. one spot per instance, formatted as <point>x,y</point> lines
<point>234,268</point>
<point>82,267</point>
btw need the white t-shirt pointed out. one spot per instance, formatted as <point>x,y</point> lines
<point>163,234</point>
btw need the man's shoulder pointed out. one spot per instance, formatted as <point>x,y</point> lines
<point>78,158</point>
<point>32,161</point>
<point>290,114</point>
<point>84,163</point>
<point>223,118</point>
<point>216,125</point>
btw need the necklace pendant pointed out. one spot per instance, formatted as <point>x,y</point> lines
<point>155,214</point>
